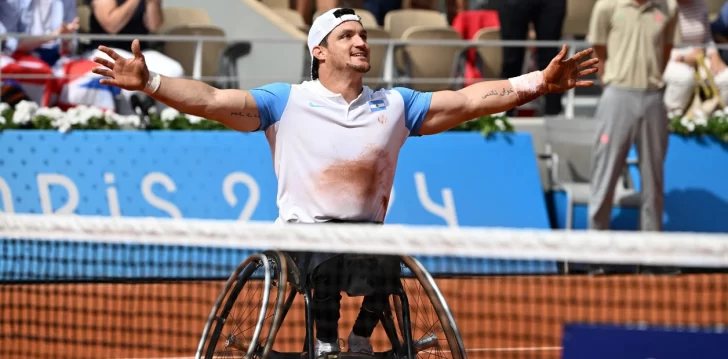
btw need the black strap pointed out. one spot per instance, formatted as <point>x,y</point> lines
<point>352,221</point>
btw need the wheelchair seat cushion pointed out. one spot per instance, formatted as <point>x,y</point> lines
<point>367,274</point>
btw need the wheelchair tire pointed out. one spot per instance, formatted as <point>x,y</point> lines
<point>445,316</point>
<point>275,273</point>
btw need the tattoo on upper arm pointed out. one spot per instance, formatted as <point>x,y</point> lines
<point>505,91</point>
<point>245,114</point>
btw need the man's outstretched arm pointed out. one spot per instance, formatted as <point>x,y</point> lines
<point>236,109</point>
<point>451,108</point>
<point>233,108</point>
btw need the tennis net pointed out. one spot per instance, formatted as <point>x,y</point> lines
<point>100,287</point>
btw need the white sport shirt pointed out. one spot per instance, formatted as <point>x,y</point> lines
<point>335,160</point>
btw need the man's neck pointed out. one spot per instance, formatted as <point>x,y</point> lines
<point>348,86</point>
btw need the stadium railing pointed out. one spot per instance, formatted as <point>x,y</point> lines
<point>388,76</point>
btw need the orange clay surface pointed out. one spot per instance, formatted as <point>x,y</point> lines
<point>499,317</point>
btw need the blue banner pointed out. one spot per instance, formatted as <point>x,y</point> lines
<point>601,341</point>
<point>452,179</point>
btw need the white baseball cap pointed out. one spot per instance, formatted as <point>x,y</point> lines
<point>322,26</point>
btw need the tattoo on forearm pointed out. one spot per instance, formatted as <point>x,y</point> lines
<point>245,114</point>
<point>506,91</point>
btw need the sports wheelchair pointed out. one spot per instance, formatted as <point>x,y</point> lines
<point>223,333</point>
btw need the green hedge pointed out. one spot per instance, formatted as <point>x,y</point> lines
<point>27,115</point>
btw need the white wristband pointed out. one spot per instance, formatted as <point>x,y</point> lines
<point>153,82</point>
<point>528,87</point>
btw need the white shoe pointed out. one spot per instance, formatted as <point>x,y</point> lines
<point>322,348</point>
<point>360,345</point>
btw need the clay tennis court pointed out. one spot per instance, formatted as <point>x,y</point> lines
<point>499,317</point>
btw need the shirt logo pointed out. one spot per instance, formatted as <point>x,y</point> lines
<point>311,104</point>
<point>377,105</point>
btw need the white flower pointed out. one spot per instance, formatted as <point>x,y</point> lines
<point>52,113</point>
<point>678,112</point>
<point>133,122</point>
<point>690,127</point>
<point>89,113</point>
<point>24,112</point>
<point>169,114</point>
<point>500,124</point>
<point>130,122</point>
<point>684,121</point>
<point>113,118</point>
<point>718,113</point>
<point>4,107</point>
<point>700,113</point>
<point>2,120</point>
<point>62,123</point>
<point>64,127</point>
<point>152,110</point>
<point>194,119</point>
<point>701,121</point>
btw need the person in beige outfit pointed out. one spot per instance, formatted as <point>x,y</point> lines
<point>633,40</point>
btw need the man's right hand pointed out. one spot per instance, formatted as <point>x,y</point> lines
<point>129,74</point>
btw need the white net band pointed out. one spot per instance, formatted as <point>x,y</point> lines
<point>677,249</point>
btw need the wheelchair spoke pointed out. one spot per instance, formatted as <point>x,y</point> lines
<point>431,338</point>
<point>247,313</point>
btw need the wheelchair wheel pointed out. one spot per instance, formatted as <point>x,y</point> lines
<point>247,314</point>
<point>434,331</point>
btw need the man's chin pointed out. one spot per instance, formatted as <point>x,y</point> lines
<point>362,67</point>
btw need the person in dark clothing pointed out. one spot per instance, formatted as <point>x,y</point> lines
<point>130,17</point>
<point>547,17</point>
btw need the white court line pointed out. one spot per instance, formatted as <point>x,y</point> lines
<point>518,349</point>
<point>476,350</point>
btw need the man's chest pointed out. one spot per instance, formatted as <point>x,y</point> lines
<point>647,23</point>
<point>330,129</point>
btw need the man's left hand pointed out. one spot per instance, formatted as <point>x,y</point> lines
<point>564,74</point>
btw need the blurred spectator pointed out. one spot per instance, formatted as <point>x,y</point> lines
<point>306,7</point>
<point>449,7</point>
<point>694,30</point>
<point>60,79</point>
<point>380,8</point>
<point>547,17</point>
<point>131,17</point>
<point>719,28</point>
<point>633,40</point>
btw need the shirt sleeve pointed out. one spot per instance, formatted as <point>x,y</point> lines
<point>271,100</point>
<point>70,11</point>
<point>599,23</point>
<point>416,106</point>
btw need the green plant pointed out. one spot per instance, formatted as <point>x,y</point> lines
<point>487,125</point>
<point>27,115</point>
<point>716,125</point>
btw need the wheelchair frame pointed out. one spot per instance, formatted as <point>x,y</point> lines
<point>287,271</point>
